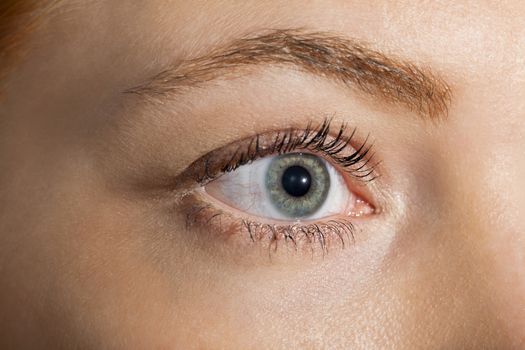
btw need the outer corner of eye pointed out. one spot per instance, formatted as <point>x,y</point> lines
<point>289,187</point>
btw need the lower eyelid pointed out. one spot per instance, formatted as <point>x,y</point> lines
<point>308,237</point>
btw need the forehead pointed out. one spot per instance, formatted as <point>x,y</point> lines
<point>399,23</point>
<point>459,37</point>
<point>461,40</point>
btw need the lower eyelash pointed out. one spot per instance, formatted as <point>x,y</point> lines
<point>315,233</point>
<point>311,236</point>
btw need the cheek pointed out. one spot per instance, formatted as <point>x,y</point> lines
<point>105,282</point>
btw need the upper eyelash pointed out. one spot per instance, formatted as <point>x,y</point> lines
<point>358,164</point>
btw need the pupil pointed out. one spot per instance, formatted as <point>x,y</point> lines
<point>296,181</point>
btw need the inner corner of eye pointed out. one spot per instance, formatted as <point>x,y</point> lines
<point>289,187</point>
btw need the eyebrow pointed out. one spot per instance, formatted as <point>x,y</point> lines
<point>324,54</point>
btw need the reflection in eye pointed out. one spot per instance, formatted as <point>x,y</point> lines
<point>284,187</point>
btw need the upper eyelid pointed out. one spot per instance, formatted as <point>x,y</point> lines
<point>360,163</point>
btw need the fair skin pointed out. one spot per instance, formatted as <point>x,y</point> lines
<point>96,250</point>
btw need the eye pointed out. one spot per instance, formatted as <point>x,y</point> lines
<point>288,187</point>
<point>294,185</point>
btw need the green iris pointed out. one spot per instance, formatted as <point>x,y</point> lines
<point>297,183</point>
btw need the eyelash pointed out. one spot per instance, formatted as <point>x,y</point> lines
<point>324,234</point>
<point>359,164</point>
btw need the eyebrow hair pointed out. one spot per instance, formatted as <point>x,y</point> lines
<point>328,55</point>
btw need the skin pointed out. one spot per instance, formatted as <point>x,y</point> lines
<point>88,259</point>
